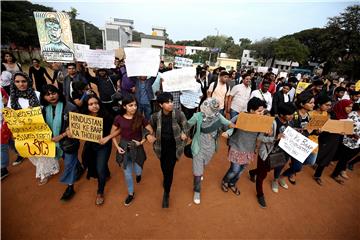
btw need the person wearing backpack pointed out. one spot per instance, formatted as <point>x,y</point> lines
<point>239,96</point>
<point>220,90</point>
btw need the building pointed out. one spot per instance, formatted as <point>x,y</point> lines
<point>155,40</point>
<point>247,60</point>
<point>190,50</point>
<point>228,63</point>
<point>178,49</point>
<point>117,33</point>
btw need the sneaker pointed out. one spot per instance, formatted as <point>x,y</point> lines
<point>68,194</point>
<point>252,177</point>
<point>43,181</point>
<point>18,161</point>
<point>129,199</point>
<point>282,183</point>
<point>261,201</point>
<point>4,173</point>
<point>99,199</point>
<point>275,186</point>
<point>165,202</point>
<point>196,197</point>
<point>138,179</point>
<point>344,175</point>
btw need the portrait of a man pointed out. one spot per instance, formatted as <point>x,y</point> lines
<point>53,31</point>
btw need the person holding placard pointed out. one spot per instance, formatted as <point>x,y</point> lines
<point>130,151</point>
<point>5,136</point>
<point>144,94</point>
<point>95,156</point>
<point>242,148</point>
<point>329,145</point>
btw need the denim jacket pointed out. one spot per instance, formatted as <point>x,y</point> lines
<point>148,88</point>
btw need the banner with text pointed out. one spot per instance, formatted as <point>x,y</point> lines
<point>80,51</point>
<point>179,79</point>
<point>297,145</point>
<point>181,62</point>
<point>85,127</point>
<point>32,135</point>
<point>142,61</point>
<point>100,58</point>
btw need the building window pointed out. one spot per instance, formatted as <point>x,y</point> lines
<point>112,34</point>
<point>245,55</point>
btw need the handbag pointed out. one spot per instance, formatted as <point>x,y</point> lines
<point>276,158</point>
<point>70,145</point>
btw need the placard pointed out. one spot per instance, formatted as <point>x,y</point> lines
<point>32,135</point>
<point>80,51</point>
<point>179,79</point>
<point>100,58</point>
<point>85,127</point>
<point>55,37</point>
<point>142,61</point>
<point>316,122</point>
<point>254,122</point>
<point>181,62</point>
<point>297,145</point>
<point>345,127</point>
<point>301,87</point>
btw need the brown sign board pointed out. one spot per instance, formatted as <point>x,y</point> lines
<point>345,127</point>
<point>316,122</point>
<point>254,122</point>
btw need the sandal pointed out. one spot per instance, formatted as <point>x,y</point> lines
<point>99,199</point>
<point>338,180</point>
<point>224,187</point>
<point>318,181</point>
<point>43,181</point>
<point>292,180</point>
<point>235,190</point>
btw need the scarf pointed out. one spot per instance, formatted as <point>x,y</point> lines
<point>209,108</point>
<point>339,109</point>
<point>55,123</point>
<point>29,93</point>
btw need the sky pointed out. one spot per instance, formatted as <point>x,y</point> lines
<point>196,19</point>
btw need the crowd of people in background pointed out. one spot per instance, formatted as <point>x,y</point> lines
<point>138,110</point>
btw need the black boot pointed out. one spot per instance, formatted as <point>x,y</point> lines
<point>165,202</point>
<point>68,194</point>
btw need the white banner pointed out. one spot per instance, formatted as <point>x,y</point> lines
<point>142,61</point>
<point>100,58</point>
<point>297,145</point>
<point>181,62</point>
<point>179,79</point>
<point>80,51</point>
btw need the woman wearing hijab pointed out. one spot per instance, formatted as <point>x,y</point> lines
<point>329,143</point>
<point>22,96</point>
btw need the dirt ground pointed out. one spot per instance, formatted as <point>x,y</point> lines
<point>304,211</point>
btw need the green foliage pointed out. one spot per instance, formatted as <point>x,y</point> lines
<point>264,49</point>
<point>136,36</point>
<point>290,49</point>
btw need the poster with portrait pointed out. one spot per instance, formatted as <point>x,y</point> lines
<point>55,37</point>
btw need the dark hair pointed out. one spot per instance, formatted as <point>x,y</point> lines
<point>35,59</point>
<point>78,86</point>
<point>116,58</point>
<point>162,61</point>
<point>339,89</point>
<point>287,108</point>
<point>138,118</point>
<point>356,107</point>
<point>266,82</point>
<point>255,103</point>
<point>287,85</point>
<point>224,73</point>
<point>50,89</point>
<point>85,107</point>
<point>52,20</point>
<point>317,83</point>
<point>322,99</point>
<point>71,64</point>
<point>245,75</point>
<point>352,93</point>
<point>164,97</point>
<point>10,53</point>
<point>292,80</point>
<point>349,84</point>
<point>303,98</point>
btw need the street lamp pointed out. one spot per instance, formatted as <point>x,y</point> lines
<point>84,31</point>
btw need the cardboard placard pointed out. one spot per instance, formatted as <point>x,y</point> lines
<point>316,122</point>
<point>254,122</point>
<point>301,87</point>
<point>32,135</point>
<point>345,127</point>
<point>85,127</point>
<point>297,145</point>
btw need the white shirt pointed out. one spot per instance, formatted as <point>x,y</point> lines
<point>24,103</point>
<point>191,98</point>
<point>263,96</point>
<point>241,97</point>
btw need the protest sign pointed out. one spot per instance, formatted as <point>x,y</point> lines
<point>32,135</point>
<point>55,37</point>
<point>283,74</point>
<point>301,87</point>
<point>254,122</point>
<point>190,98</point>
<point>181,62</point>
<point>80,51</point>
<point>179,79</point>
<point>338,126</point>
<point>297,145</point>
<point>85,127</point>
<point>266,69</point>
<point>142,61</point>
<point>100,58</point>
<point>316,122</point>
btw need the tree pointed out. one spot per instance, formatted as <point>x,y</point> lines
<point>136,36</point>
<point>264,49</point>
<point>290,49</point>
<point>73,13</point>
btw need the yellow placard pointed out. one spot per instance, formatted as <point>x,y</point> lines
<point>301,87</point>
<point>32,135</point>
<point>86,127</point>
<point>254,122</point>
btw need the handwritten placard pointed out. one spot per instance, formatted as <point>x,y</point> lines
<point>297,145</point>
<point>80,51</point>
<point>301,87</point>
<point>254,122</point>
<point>86,127</point>
<point>32,135</point>
<point>179,79</point>
<point>142,61</point>
<point>316,122</point>
<point>99,58</point>
<point>339,127</point>
<point>181,62</point>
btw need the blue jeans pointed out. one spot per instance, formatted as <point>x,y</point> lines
<point>128,174</point>
<point>233,113</point>
<point>70,170</point>
<point>233,174</point>
<point>146,109</point>
<point>222,112</point>
<point>4,155</point>
<point>296,166</point>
